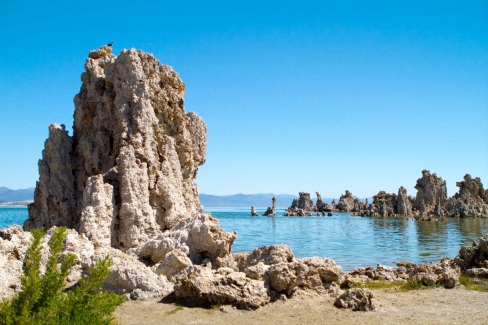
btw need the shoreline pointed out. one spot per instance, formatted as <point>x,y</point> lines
<point>425,306</point>
<point>16,204</point>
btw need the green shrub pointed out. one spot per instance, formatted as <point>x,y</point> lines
<point>43,298</point>
<point>468,283</point>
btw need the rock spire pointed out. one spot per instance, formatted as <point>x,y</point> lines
<point>127,173</point>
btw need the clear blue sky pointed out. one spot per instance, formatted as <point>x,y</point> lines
<point>297,95</point>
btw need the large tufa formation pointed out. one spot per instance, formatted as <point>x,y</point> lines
<point>404,202</point>
<point>431,194</point>
<point>389,204</point>
<point>271,211</point>
<point>303,206</point>
<point>128,171</point>
<point>470,201</point>
<point>347,203</point>
<point>124,185</point>
<point>124,182</point>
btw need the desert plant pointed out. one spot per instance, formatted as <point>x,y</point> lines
<point>468,283</point>
<point>43,298</point>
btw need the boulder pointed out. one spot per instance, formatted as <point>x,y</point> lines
<point>316,273</point>
<point>132,277</point>
<point>356,299</point>
<point>207,287</point>
<point>268,255</point>
<point>474,257</point>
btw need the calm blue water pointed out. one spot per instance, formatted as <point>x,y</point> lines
<point>350,241</point>
<point>12,215</point>
<point>353,241</point>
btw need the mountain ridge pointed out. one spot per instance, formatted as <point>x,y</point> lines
<point>239,200</point>
<point>9,195</point>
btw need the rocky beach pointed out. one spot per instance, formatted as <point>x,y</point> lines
<point>124,186</point>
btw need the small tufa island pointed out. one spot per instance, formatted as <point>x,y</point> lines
<point>430,203</point>
<point>124,186</point>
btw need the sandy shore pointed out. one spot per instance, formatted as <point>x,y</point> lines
<point>428,306</point>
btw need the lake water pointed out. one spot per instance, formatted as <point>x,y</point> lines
<point>12,215</point>
<point>353,241</point>
<point>350,241</point>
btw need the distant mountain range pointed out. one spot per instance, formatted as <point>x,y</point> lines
<point>221,201</point>
<point>8,195</point>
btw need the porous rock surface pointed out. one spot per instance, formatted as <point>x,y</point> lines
<point>123,185</point>
<point>389,204</point>
<point>13,247</point>
<point>347,202</point>
<point>470,201</point>
<point>404,203</point>
<point>473,259</point>
<point>303,206</point>
<point>431,194</point>
<point>250,280</point>
<point>356,299</point>
<point>128,171</point>
<point>124,182</point>
<point>445,273</point>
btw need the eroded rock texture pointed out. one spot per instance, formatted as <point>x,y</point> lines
<point>404,203</point>
<point>250,280</point>
<point>124,182</point>
<point>347,202</point>
<point>470,201</point>
<point>303,206</point>
<point>445,273</point>
<point>431,194</point>
<point>127,173</point>
<point>385,204</point>
<point>389,204</point>
<point>356,299</point>
<point>474,259</point>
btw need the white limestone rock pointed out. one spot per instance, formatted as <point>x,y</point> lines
<point>127,173</point>
<point>206,287</point>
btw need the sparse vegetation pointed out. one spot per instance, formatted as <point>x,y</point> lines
<point>414,285</point>
<point>468,283</point>
<point>43,298</point>
<point>216,306</point>
<point>173,311</point>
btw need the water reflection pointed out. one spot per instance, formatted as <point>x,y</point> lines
<point>432,239</point>
<point>354,241</point>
